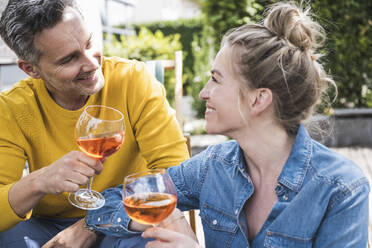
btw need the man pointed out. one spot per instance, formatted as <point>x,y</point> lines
<point>38,117</point>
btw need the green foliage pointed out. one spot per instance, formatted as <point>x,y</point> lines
<point>218,17</point>
<point>202,50</point>
<point>186,29</point>
<point>348,49</point>
<point>146,46</point>
<point>367,94</point>
<point>349,28</point>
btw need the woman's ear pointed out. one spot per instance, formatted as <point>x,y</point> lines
<point>263,97</point>
<point>28,68</point>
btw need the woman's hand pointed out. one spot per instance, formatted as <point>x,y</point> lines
<point>168,239</point>
<point>74,236</point>
<point>173,232</point>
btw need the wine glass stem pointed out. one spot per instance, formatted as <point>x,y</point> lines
<point>90,181</point>
<point>89,184</point>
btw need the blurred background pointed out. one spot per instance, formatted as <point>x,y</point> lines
<point>155,29</point>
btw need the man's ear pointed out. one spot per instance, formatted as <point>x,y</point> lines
<point>263,99</point>
<point>28,68</point>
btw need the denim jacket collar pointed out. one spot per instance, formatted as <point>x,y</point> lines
<point>238,161</point>
<point>298,162</point>
<point>294,170</point>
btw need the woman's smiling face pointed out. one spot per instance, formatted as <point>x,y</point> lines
<point>221,94</point>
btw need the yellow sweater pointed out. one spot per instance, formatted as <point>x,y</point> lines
<point>34,128</point>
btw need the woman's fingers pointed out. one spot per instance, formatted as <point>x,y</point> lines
<point>159,233</point>
<point>158,244</point>
<point>166,238</point>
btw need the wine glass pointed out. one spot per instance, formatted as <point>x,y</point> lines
<point>99,133</point>
<point>149,196</point>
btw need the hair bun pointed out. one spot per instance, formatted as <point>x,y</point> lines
<point>292,24</point>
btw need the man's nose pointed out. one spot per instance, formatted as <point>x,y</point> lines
<point>92,60</point>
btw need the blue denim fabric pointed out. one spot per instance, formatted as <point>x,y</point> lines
<point>35,232</point>
<point>322,199</point>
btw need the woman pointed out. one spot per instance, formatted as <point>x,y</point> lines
<point>272,185</point>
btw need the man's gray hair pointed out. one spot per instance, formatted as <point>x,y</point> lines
<point>22,20</point>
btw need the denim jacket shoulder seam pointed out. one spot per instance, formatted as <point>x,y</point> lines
<point>217,154</point>
<point>344,191</point>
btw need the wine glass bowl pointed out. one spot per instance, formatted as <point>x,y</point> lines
<point>99,133</point>
<point>149,196</point>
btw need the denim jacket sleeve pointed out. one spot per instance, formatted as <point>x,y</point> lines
<point>346,223</point>
<point>187,177</point>
<point>112,215</point>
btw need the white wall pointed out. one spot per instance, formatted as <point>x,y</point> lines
<point>161,10</point>
<point>6,55</point>
<point>91,12</point>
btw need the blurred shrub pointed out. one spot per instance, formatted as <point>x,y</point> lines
<point>218,17</point>
<point>348,48</point>
<point>146,46</point>
<point>349,30</point>
<point>186,30</point>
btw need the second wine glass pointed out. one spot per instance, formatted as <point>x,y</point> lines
<point>149,196</point>
<point>99,133</point>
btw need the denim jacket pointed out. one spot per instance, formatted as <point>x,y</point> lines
<point>322,199</point>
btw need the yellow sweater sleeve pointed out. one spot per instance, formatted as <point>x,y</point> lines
<point>10,218</point>
<point>157,131</point>
<point>12,161</point>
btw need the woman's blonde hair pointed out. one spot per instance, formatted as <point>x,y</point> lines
<point>281,54</point>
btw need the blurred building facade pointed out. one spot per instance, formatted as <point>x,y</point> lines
<point>102,16</point>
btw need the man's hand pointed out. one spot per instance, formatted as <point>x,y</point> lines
<point>74,236</point>
<point>68,173</point>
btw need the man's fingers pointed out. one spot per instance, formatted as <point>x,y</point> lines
<point>99,166</point>
<point>70,187</point>
<point>83,169</point>
<point>76,177</point>
<point>95,164</point>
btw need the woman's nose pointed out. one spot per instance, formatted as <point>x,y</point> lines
<point>204,93</point>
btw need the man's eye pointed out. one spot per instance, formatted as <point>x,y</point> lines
<point>89,45</point>
<point>67,60</point>
<point>214,79</point>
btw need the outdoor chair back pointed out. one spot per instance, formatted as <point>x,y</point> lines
<point>157,68</point>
